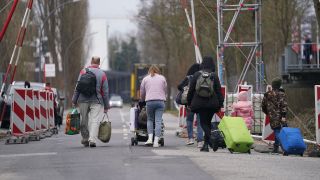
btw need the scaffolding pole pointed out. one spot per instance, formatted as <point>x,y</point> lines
<point>255,42</point>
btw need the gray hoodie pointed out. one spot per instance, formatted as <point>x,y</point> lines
<point>102,96</point>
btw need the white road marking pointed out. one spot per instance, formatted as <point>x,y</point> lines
<point>27,155</point>
<point>125,137</point>
<point>122,116</point>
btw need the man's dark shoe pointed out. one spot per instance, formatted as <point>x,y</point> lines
<point>275,149</point>
<point>85,143</point>
<point>92,144</point>
<point>205,147</point>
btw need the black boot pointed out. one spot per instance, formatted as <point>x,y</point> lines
<point>205,147</point>
<point>275,148</point>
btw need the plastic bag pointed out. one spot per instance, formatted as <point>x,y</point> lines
<point>104,134</point>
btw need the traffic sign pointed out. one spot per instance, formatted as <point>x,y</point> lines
<point>50,70</point>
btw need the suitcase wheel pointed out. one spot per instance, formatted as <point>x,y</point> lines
<point>230,150</point>
<point>215,148</point>
<point>162,142</point>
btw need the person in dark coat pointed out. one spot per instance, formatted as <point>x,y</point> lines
<point>206,106</point>
<point>190,115</point>
<point>307,49</point>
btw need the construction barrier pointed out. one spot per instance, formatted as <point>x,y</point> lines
<point>37,110</point>
<point>43,110</point>
<point>50,109</point>
<point>29,112</point>
<point>317,111</point>
<point>17,122</point>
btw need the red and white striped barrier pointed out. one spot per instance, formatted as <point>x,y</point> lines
<point>192,31</point>
<point>182,116</point>
<point>36,101</point>
<point>50,106</point>
<point>29,112</point>
<point>317,110</point>
<point>43,110</point>
<point>18,46</point>
<point>17,122</point>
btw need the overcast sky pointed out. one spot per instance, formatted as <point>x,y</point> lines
<point>118,14</point>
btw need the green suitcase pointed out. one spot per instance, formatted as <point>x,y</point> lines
<point>236,134</point>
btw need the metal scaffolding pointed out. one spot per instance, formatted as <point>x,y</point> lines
<point>255,45</point>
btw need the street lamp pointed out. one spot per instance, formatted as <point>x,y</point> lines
<point>65,64</point>
<point>42,28</point>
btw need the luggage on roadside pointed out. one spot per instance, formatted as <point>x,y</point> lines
<point>217,137</point>
<point>72,122</point>
<point>236,134</point>
<point>133,116</point>
<point>291,141</point>
<point>104,134</point>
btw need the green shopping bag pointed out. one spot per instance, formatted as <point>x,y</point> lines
<point>73,122</point>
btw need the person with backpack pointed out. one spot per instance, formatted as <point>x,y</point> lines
<point>274,105</point>
<point>190,115</point>
<point>153,90</point>
<point>92,94</point>
<point>205,97</point>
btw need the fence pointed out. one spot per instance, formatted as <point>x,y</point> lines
<point>32,113</point>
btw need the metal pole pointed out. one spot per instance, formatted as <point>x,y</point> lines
<point>219,47</point>
<point>317,45</point>
<point>194,30</point>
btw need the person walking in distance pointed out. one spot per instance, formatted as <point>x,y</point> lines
<point>92,95</point>
<point>153,90</point>
<point>205,97</point>
<point>274,105</point>
<point>190,115</point>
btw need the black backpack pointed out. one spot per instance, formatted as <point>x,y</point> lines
<point>87,84</point>
<point>204,86</point>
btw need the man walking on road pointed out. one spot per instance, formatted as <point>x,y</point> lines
<point>92,94</point>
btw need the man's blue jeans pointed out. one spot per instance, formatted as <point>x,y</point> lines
<point>276,138</point>
<point>190,118</point>
<point>154,112</point>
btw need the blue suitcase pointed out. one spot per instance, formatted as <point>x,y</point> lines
<point>291,141</point>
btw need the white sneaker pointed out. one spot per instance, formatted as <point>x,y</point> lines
<point>190,142</point>
<point>156,142</point>
<point>149,141</point>
<point>200,144</point>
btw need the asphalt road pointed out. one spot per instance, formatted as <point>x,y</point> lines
<point>63,157</point>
